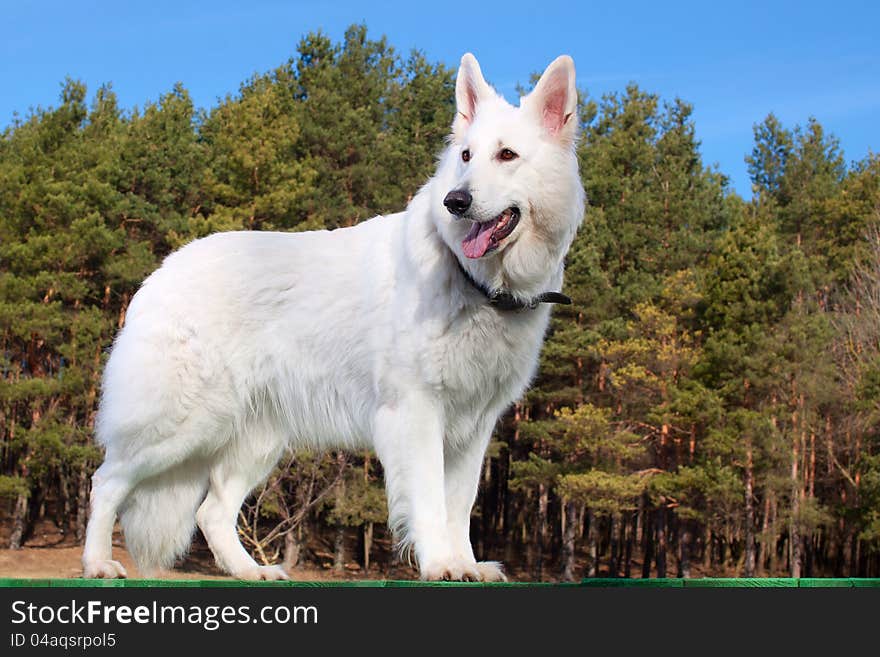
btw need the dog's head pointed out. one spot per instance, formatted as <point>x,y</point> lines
<point>509,184</point>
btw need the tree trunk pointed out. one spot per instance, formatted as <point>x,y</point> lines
<point>749,566</point>
<point>774,535</point>
<point>488,501</point>
<point>853,553</point>
<point>640,526</point>
<point>592,545</point>
<point>368,544</point>
<point>812,491</point>
<point>707,548</point>
<point>19,522</point>
<point>794,537</point>
<point>292,550</point>
<point>808,553</point>
<point>339,549</point>
<point>82,504</point>
<point>569,534</point>
<point>661,541</point>
<point>685,538</point>
<point>647,549</point>
<point>64,511</point>
<point>763,547</point>
<point>627,550</point>
<point>614,563</point>
<point>541,531</point>
<point>21,514</point>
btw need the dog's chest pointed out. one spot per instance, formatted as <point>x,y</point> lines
<point>486,359</point>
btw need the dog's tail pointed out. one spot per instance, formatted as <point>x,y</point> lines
<point>159,517</point>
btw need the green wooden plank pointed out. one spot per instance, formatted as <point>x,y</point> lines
<point>418,583</point>
<point>824,583</point>
<point>620,582</point>
<point>173,583</point>
<point>741,582</point>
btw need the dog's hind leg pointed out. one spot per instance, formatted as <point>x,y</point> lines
<point>233,477</point>
<point>110,486</point>
<point>122,479</point>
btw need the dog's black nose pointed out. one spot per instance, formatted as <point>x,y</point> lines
<point>458,201</point>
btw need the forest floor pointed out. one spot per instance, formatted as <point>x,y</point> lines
<point>49,554</point>
<point>63,562</point>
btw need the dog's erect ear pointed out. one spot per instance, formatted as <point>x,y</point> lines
<point>470,89</point>
<point>554,99</point>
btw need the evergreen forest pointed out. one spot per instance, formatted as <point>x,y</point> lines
<point>707,406</point>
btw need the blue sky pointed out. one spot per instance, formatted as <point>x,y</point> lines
<point>734,61</point>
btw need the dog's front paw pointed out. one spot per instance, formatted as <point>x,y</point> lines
<point>104,569</point>
<point>262,573</point>
<point>452,570</point>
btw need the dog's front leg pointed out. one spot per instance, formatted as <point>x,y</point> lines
<point>463,465</point>
<point>409,442</point>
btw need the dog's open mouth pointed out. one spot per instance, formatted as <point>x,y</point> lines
<point>486,236</point>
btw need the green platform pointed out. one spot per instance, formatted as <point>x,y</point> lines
<point>769,582</point>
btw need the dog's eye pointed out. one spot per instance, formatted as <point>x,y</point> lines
<point>506,155</point>
<point>466,155</point>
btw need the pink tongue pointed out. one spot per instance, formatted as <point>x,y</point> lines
<point>476,243</point>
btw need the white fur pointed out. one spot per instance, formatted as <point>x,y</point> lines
<point>245,344</point>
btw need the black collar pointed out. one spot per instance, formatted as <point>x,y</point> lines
<point>502,300</point>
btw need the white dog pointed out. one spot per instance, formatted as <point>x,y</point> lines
<point>408,334</point>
